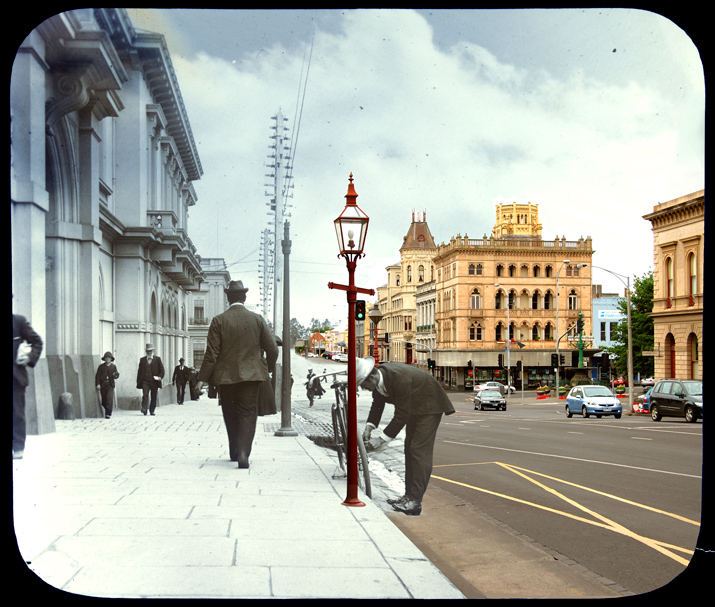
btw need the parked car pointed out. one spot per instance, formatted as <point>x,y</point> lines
<point>492,399</point>
<point>641,404</point>
<point>341,358</point>
<point>494,385</point>
<point>593,400</point>
<point>677,398</point>
<point>647,382</point>
<point>619,381</point>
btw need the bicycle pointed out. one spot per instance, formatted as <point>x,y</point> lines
<point>340,433</point>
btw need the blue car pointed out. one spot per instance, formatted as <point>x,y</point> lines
<point>593,400</point>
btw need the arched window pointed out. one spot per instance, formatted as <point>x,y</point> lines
<point>479,269</point>
<point>497,301</point>
<point>537,271</point>
<point>475,300</point>
<point>547,300</point>
<point>498,333</point>
<point>500,270</point>
<point>549,271</point>
<point>475,332</point>
<point>535,332</point>
<point>548,331</point>
<point>694,357</point>
<point>421,273</point>
<point>512,271</point>
<point>535,301</point>
<point>524,271</point>
<point>512,298</point>
<point>573,300</point>
<point>693,275</point>
<point>670,281</point>
<point>472,269</point>
<point>409,273</point>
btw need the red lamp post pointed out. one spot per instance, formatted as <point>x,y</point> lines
<point>351,229</point>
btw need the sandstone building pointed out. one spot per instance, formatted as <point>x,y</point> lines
<point>678,261</point>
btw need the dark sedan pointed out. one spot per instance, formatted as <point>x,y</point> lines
<point>677,398</point>
<point>489,399</point>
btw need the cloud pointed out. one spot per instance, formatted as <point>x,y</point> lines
<point>426,128</point>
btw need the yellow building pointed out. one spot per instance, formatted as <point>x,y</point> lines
<point>396,298</point>
<point>443,303</point>
<point>678,261</point>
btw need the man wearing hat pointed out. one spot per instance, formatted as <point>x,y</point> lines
<point>104,380</point>
<point>180,377</point>
<point>419,402</point>
<point>233,362</point>
<point>149,376</point>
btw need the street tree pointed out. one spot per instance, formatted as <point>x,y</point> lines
<point>641,329</point>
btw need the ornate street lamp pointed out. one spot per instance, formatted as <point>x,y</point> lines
<point>351,229</point>
<point>375,316</point>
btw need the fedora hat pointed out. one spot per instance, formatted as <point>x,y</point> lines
<point>363,367</point>
<point>235,286</point>
<point>149,347</point>
<point>107,355</point>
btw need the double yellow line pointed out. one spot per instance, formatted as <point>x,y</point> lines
<point>668,550</point>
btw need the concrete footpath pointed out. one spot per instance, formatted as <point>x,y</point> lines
<point>151,507</point>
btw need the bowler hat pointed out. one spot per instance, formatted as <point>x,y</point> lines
<point>107,355</point>
<point>149,347</point>
<point>181,360</point>
<point>363,367</point>
<point>235,286</point>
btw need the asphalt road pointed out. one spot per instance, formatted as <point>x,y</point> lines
<point>620,497</point>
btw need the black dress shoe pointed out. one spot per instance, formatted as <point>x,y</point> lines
<point>392,501</point>
<point>409,506</point>
<point>243,463</point>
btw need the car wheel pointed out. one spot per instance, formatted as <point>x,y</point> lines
<point>617,415</point>
<point>584,412</point>
<point>690,415</point>
<point>654,413</point>
<point>568,412</point>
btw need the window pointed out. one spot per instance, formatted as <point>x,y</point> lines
<point>547,301</point>
<point>475,332</point>
<point>497,301</point>
<point>479,269</point>
<point>409,273</point>
<point>603,331</point>
<point>573,301</point>
<point>500,270</point>
<point>537,271</point>
<point>199,310</point>
<point>512,296</point>
<point>498,333</point>
<point>524,271</point>
<point>472,269</point>
<point>670,283</point>
<point>475,302</point>
<point>421,273</point>
<point>512,271</point>
<point>547,331</point>
<point>549,271</point>
<point>535,301</point>
<point>692,269</point>
<point>535,332</point>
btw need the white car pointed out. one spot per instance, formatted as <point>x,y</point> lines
<point>494,385</point>
<point>341,358</point>
<point>647,382</point>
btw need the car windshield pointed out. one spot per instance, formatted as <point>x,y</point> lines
<point>597,391</point>
<point>694,388</point>
<point>491,394</point>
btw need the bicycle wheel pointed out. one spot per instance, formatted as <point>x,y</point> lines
<point>340,435</point>
<point>363,468</point>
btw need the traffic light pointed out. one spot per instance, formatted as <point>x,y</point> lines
<point>605,362</point>
<point>469,364</point>
<point>562,362</point>
<point>579,326</point>
<point>501,360</point>
<point>360,309</point>
<point>554,360</point>
<point>430,363</point>
<point>387,338</point>
<point>518,366</point>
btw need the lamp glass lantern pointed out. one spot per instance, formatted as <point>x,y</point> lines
<point>351,225</point>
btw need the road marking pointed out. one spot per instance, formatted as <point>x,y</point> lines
<point>577,459</point>
<point>601,521</point>
<point>640,438</point>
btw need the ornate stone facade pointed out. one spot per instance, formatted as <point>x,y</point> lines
<point>678,261</point>
<point>102,169</point>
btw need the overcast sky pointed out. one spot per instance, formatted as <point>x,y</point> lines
<point>596,115</point>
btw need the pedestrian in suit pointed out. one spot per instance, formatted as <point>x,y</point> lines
<point>104,380</point>
<point>419,402</point>
<point>233,363</point>
<point>180,377</point>
<point>149,376</point>
<point>26,350</point>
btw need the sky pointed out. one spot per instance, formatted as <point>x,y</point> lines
<point>597,115</point>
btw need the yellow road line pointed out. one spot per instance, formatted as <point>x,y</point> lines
<point>602,521</point>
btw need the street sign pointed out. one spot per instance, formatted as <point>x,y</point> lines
<point>647,352</point>
<point>576,338</point>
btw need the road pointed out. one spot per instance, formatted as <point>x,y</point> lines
<point>619,497</point>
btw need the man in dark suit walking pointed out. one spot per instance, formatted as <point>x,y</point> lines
<point>419,403</point>
<point>149,376</point>
<point>26,350</point>
<point>180,377</point>
<point>104,380</point>
<point>234,363</point>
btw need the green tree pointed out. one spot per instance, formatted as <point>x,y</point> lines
<point>641,329</point>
